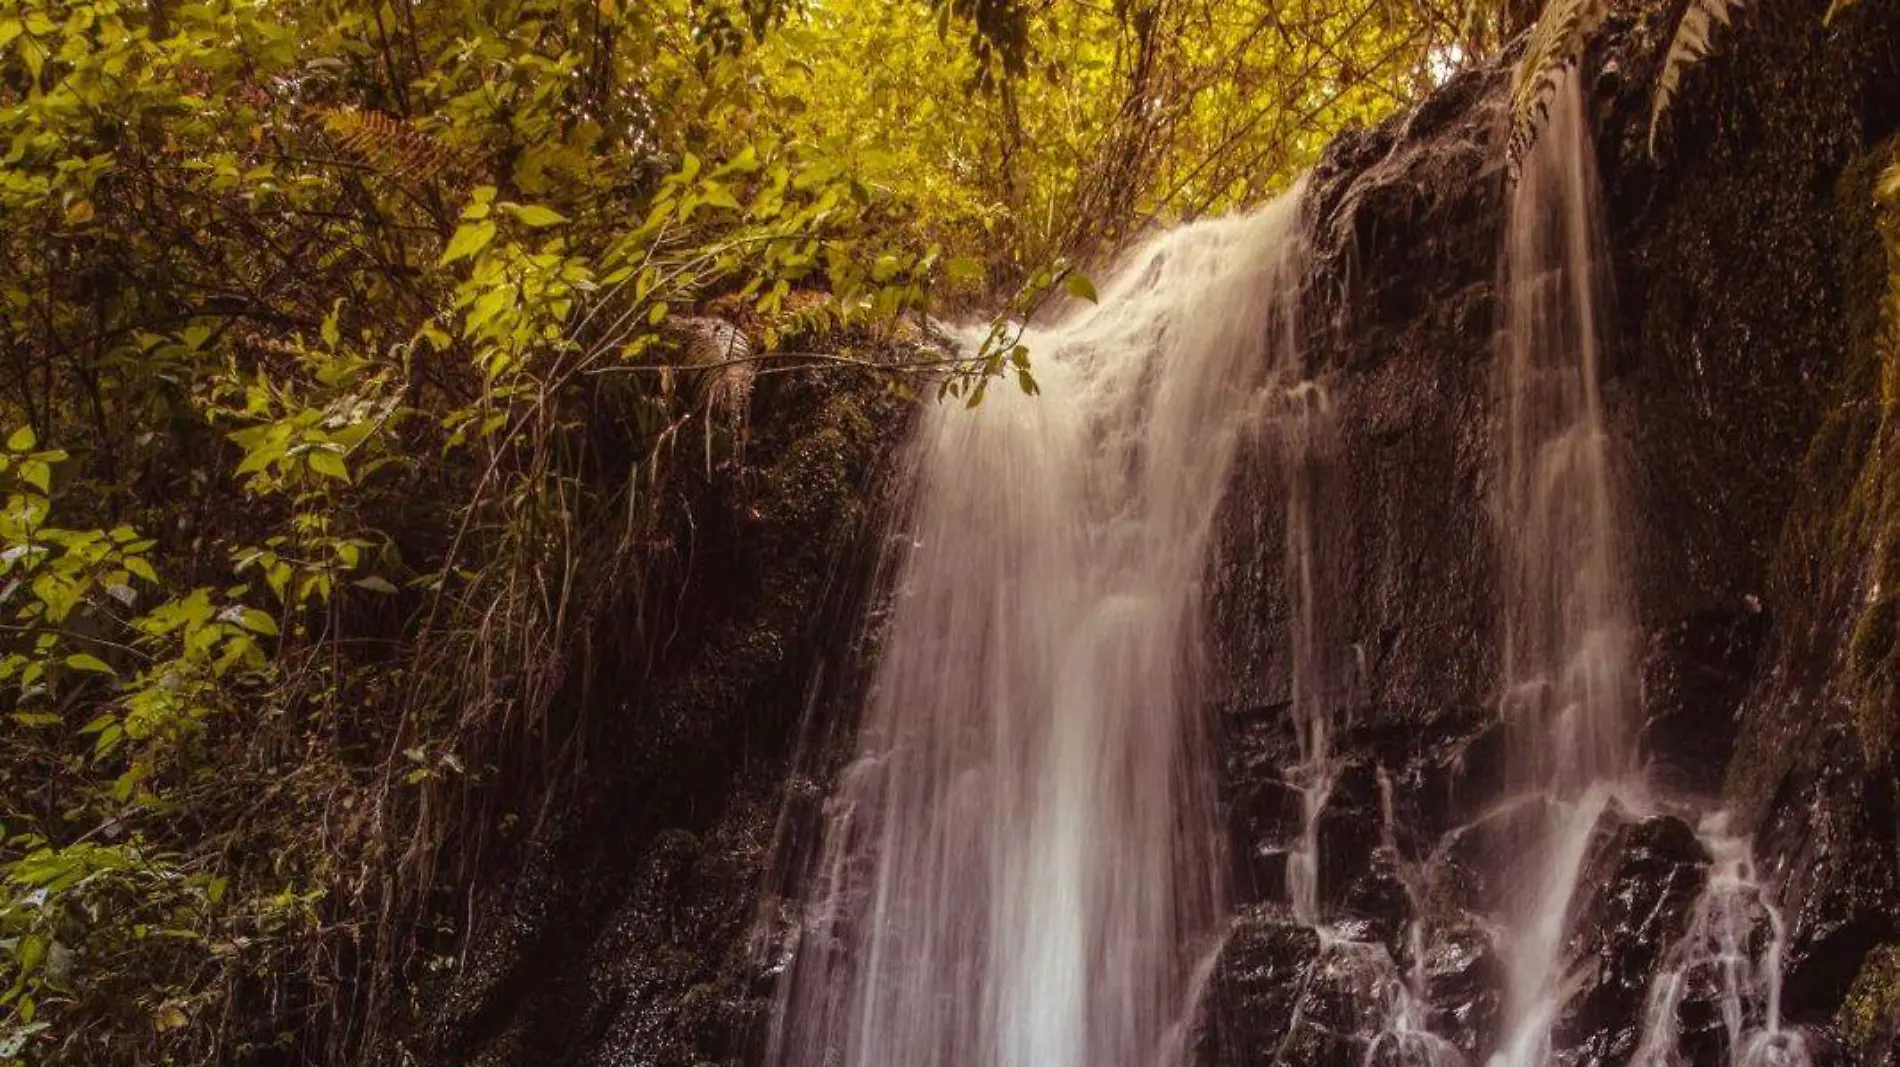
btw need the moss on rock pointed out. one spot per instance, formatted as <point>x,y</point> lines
<point>1868,526</point>
<point>1840,552</point>
<point>1870,1015</point>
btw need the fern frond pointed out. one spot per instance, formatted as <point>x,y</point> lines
<point>386,144</point>
<point>1556,44</point>
<point>1691,45</point>
<point>1834,10</point>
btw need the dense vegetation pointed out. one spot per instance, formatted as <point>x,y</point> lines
<point>349,351</point>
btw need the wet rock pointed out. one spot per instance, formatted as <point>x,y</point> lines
<point>1696,674</point>
<point>1638,887</point>
<point>1380,901</point>
<point>1464,982</point>
<point>1264,809</point>
<point>1280,994</point>
<point>1258,982</point>
<point>1350,830</point>
<point>1338,1010</point>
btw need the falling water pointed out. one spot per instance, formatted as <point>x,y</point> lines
<point>1569,690</point>
<point>1301,421</point>
<point>1731,953</point>
<point>1404,1037</point>
<point>1019,869</point>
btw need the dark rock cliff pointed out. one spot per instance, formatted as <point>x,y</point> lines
<point>623,937</point>
<point>1741,257</point>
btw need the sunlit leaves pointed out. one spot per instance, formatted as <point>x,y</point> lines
<point>470,238</point>
<point>1079,286</point>
<point>337,312</point>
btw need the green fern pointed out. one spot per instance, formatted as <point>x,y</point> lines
<point>1691,44</point>
<point>1556,44</point>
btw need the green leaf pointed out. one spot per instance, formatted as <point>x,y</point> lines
<point>22,439</point>
<point>374,584</point>
<point>467,241</point>
<point>1079,286</point>
<point>257,622</point>
<point>536,215</point>
<point>328,463</point>
<point>31,951</point>
<point>82,661</point>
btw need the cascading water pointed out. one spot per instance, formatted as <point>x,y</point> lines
<point>1569,690</point>
<point>1301,421</point>
<point>1725,953</point>
<point>1570,683</point>
<point>1019,869</point>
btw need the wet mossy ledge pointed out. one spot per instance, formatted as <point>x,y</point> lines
<point>1853,531</point>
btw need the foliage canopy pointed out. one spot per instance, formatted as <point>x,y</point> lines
<point>349,346</point>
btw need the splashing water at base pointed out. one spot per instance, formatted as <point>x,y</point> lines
<point>1731,953</point>
<point>1020,867</point>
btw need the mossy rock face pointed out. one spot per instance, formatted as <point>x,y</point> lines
<point>1869,1019</point>
<point>1841,549</point>
<point>626,938</point>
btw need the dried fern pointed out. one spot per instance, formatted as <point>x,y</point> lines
<point>1556,44</point>
<point>388,145</point>
<point>1834,10</point>
<point>1692,43</point>
<point>726,387</point>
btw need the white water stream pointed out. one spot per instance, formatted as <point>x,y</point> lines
<point>1569,681</point>
<point>1570,677</point>
<point>1020,867</point>
<point>1022,864</point>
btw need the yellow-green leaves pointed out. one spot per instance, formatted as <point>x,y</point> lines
<point>535,215</point>
<point>478,226</point>
<point>469,238</point>
<point>1079,286</point>
<point>85,661</point>
<point>328,462</point>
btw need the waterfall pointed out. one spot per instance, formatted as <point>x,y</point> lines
<point>1020,868</point>
<point>1569,684</point>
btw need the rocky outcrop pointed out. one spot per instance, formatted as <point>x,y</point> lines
<point>1735,258</point>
